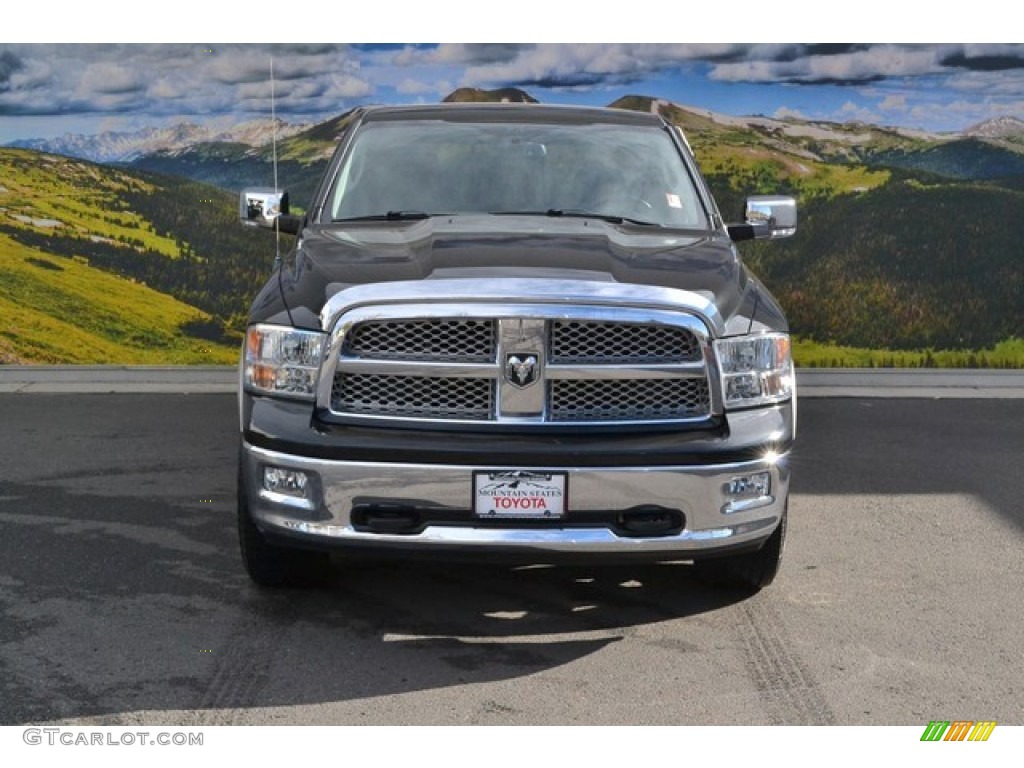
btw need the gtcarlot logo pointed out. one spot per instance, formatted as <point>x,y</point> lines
<point>83,738</point>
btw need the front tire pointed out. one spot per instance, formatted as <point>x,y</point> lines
<point>752,570</point>
<point>270,565</point>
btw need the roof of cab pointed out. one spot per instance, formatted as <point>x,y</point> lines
<point>474,112</point>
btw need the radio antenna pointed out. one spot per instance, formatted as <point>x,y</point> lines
<point>273,118</point>
<point>273,134</point>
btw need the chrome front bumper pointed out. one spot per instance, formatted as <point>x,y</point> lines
<point>336,487</point>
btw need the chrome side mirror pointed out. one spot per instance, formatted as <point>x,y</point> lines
<point>260,207</point>
<point>767,217</point>
<point>772,216</point>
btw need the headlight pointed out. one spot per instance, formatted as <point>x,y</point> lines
<point>756,370</point>
<point>282,361</point>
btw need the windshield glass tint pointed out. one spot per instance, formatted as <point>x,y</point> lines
<point>445,167</point>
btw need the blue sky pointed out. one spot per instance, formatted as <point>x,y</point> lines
<point>48,89</point>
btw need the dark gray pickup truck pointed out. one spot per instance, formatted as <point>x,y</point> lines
<point>518,330</point>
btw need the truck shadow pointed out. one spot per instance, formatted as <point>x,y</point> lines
<point>111,606</point>
<point>388,628</point>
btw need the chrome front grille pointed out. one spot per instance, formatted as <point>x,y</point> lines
<point>416,397</point>
<point>444,339</point>
<point>579,341</point>
<point>518,364</point>
<point>628,399</point>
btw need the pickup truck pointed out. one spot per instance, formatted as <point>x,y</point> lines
<point>514,330</point>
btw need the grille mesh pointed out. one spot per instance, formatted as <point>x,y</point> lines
<point>579,341</point>
<point>442,340</point>
<point>416,391</point>
<point>414,396</point>
<point>627,399</point>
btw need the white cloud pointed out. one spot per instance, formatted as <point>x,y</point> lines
<point>585,64</point>
<point>877,62</point>
<point>894,102</point>
<point>412,87</point>
<point>168,88</point>
<point>160,80</point>
<point>35,73</point>
<point>109,78</point>
<point>851,112</point>
<point>581,64</point>
<point>784,112</point>
<point>459,54</point>
<point>346,86</point>
<point>988,83</point>
<point>247,91</point>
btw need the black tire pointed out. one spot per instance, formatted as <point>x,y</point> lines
<point>751,570</point>
<point>270,565</point>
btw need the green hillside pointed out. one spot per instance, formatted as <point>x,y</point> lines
<point>234,167</point>
<point>899,264</point>
<point>898,260</point>
<point>100,265</point>
<point>58,310</point>
<point>791,143</point>
<point>965,159</point>
<point>903,266</point>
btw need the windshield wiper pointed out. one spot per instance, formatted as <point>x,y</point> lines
<point>389,216</point>
<point>579,214</point>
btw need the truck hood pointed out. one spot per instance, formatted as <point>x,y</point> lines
<point>329,259</point>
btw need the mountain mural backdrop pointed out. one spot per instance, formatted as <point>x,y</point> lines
<point>124,247</point>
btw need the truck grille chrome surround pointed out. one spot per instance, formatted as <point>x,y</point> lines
<point>522,364</point>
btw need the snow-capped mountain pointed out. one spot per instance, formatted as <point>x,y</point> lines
<point>110,147</point>
<point>998,128</point>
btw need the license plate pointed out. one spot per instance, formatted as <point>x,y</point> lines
<point>518,493</point>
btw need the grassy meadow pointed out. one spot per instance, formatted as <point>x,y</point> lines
<point>60,308</point>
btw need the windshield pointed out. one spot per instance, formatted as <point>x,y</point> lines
<point>436,167</point>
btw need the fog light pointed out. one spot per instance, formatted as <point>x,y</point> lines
<point>289,482</point>
<point>748,491</point>
<point>750,486</point>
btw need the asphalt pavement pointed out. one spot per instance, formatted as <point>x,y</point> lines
<point>123,599</point>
